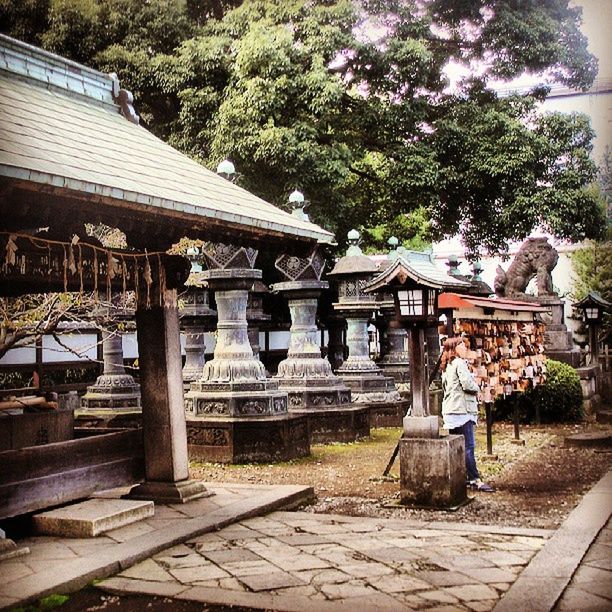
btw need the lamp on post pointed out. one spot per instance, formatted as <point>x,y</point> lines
<point>432,468</point>
<point>593,307</point>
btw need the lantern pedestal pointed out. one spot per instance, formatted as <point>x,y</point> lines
<point>313,389</point>
<point>432,472</point>
<point>557,339</point>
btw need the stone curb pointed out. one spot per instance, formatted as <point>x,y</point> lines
<point>543,581</point>
<point>76,574</point>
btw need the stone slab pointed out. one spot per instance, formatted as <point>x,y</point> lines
<point>92,517</point>
<point>263,439</point>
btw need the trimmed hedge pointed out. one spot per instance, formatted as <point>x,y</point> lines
<point>559,400</point>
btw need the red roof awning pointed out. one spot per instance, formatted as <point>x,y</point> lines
<point>456,301</point>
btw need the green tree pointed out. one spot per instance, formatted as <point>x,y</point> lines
<point>350,102</point>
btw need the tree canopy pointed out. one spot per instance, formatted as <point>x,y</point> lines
<point>351,102</point>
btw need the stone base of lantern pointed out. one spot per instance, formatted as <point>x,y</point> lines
<point>399,372</point>
<point>327,404</point>
<point>370,388</point>
<point>432,472</point>
<point>335,423</point>
<point>115,392</point>
<point>125,419</point>
<point>264,439</point>
<point>387,414</point>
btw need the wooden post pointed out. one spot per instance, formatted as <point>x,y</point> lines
<point>419,385</point>
<point>163,412</point>
<point>517,435</point>
<point>489,423</point>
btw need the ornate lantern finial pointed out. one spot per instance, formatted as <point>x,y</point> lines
<point>392,242</point>
<point>227,170</point>
<point>453,265</point>
<point>299,204</point>
<point>354,238</point>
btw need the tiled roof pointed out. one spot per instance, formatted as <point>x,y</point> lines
<point>421,268</point>
<point>59,126</point>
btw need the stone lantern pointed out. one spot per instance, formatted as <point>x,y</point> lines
<point>593,307</point>
<point>364,378</point>
<point>196,318</point>
<point>235,413</point>
<point>432,468</point>
<point>255,314</point>
<point>395,361</point>
<point>115,396</point>
<point>307,377</point>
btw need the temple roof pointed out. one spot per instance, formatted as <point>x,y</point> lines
<point>419,267</point>
<point>65,126</point>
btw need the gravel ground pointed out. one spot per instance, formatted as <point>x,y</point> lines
<point>537,485</point>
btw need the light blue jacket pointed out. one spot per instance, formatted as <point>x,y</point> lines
<point>460,389</point>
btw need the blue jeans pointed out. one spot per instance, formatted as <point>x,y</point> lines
<point>467,431</point>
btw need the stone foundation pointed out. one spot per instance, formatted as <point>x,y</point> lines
<point>248,440</point>
<point>336,424</point>
<point>387,414</point>
<point>432,472</point>
<point>370,388</point>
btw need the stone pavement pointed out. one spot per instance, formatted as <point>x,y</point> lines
<point>591,586</point>
<point>223,550</point>
<point>305,561</point>
<point>61,565</point>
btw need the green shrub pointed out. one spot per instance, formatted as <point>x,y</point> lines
<point>559,400</point>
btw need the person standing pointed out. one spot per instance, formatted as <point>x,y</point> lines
<point>460,405</point>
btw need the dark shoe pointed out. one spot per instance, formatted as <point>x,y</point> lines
<point>483,487</point>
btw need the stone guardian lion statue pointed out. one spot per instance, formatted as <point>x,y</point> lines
<point>536,257</point>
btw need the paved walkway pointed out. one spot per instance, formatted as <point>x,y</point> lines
<point>591,586</point>
<point>223,550</point>
<point>61,565</point>
<point>303,561</point>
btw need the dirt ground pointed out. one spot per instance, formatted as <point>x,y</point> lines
<point>537,485</point>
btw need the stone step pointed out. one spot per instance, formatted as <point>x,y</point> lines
<point>604,416</point>
<point>597,439</point>
<point>92,517</point>
<point>10,550</point>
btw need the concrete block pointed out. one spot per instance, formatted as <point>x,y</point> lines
<point>432,472</point>
<point>92,517</point>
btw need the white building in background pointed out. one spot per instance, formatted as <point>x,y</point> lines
<point>597,104</point>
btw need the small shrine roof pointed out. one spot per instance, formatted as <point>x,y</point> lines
<point>458,301</point>
<point>420,267</point>
<point>593,297</point>
<point>62,127</point>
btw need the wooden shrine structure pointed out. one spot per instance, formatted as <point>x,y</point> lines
<point>72,152</point>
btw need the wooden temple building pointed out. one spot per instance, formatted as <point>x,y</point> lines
<point>72,152</point>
